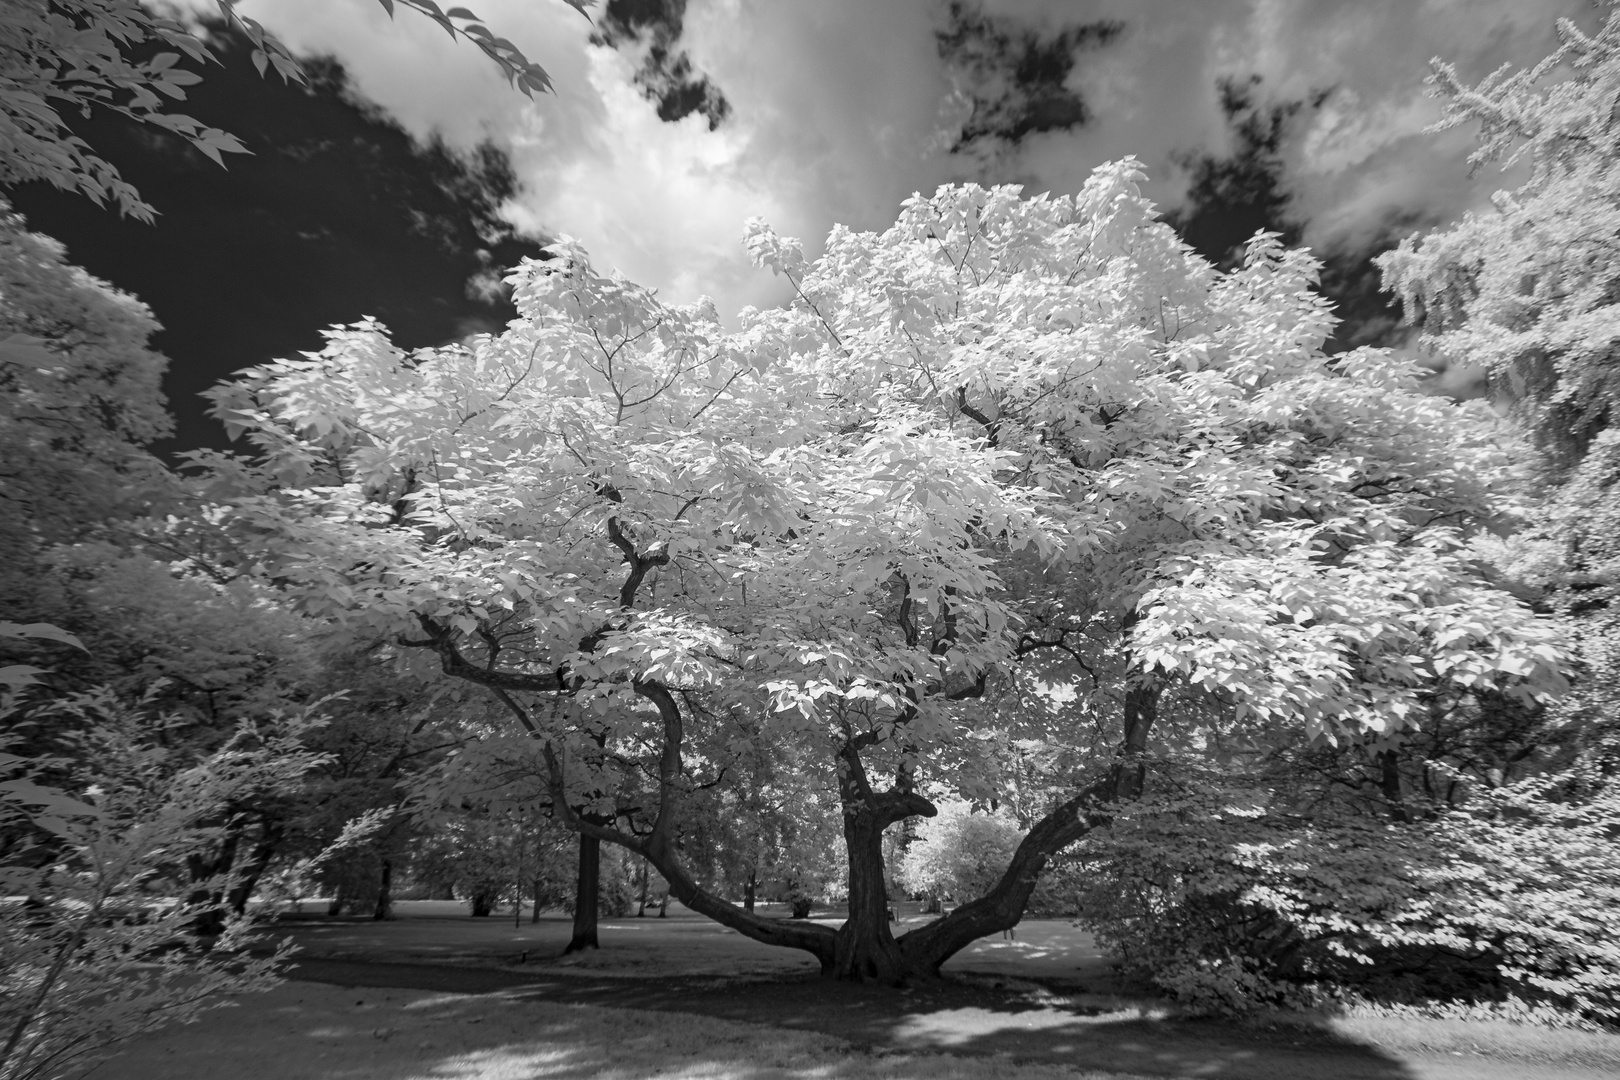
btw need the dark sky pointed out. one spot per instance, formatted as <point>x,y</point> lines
<point>338,214</point>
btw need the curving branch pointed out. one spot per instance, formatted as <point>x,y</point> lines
<point>927,947</point>
<point>639,561</point>
<point>992,428</point>
<point>440,640</point>
<point>659,846</point>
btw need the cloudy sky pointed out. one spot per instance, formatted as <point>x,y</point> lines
<point>809,113</point>
<point>674,121</point>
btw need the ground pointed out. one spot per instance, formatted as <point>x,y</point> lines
<point>438,995</point>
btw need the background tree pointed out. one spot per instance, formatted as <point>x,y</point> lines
<point>1428,865</point>
<point>99,54</point>
<point>81,399</point>
<point>959,854</point>
<point>1529,292</point>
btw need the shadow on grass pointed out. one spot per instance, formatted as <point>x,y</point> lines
<point>1025,1022</point>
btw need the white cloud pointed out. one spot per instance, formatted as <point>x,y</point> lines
<point>837,104</point>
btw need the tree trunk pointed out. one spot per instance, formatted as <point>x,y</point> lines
<point>385,898</point>
<point>1389,782</point>
<point>587,891</point>
<point>864,947</point>
<point>750,887</point>
<point>646,872</point>
<point>258,862</point>
<point>534,912</point>
<point>334,906</point>
<point>483,903</point>
<point>208,894</point>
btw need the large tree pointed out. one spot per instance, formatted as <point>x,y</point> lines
<point>1005,435</point>
<point>1529,291</point>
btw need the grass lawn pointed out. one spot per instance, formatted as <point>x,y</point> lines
<point>441,931</point>
<point>684,997</point>
<point>306,1031</point>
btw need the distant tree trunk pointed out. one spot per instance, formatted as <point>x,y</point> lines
<point>663,907</point>
<point>385,899</point>
<point>340,900</point>
<point>801,907</point>
<point>750,887</point>
<point>207,893</point>
<point>587,892</point>
<point>641,909</point>
<point>935,905</point>
<point>534,912</point>
<point>1389,781</point>
<point>269,841</point>
<point>483,903</point>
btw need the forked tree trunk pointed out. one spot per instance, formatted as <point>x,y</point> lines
<point>587,892</point>
<point>864,947</point>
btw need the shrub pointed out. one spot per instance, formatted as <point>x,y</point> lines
<point>1221,895</point>
<point>115,938</point>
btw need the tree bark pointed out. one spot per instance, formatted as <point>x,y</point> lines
<point>750,887</point>
<point>587,892</point>
<point>865,948</point>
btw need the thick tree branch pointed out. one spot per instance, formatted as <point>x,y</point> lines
<point>929,946</point>
<point>441,641</point>
<point>992,428</point>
